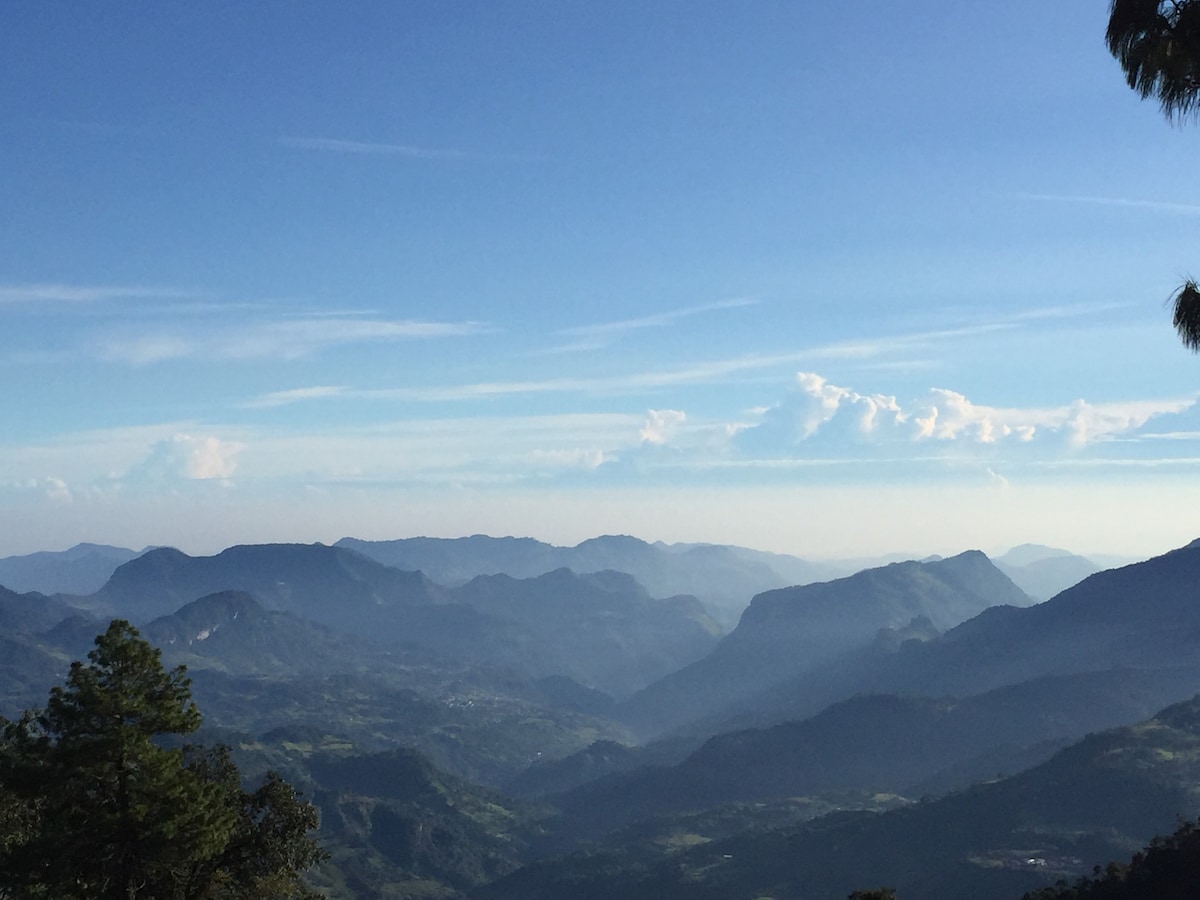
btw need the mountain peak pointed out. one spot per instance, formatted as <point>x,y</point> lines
<point>1025,554</point>
<point>621,541</point>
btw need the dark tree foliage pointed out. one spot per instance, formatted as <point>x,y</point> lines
<point>1168,869</point>
<point>269,847</point>
<point>92,805</point>
<point>1157,43</point>
<point>882,893</point>
<point>1186,318</point>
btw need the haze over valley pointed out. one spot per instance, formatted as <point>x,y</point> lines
<point>489,716</point>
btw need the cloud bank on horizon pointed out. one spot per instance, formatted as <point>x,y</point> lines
<point>814,422</point>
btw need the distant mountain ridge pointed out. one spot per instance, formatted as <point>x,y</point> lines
<point>1042,572</point>
<point>603,625</point>
<point>602,629</point>
<point>793,630</point>
<point>82,569</point>
<point>30,612</point>
<point>327,585</point>
<point>724,578</point>
<point>1141,616</point>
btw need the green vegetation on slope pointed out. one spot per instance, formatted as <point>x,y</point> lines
<point>96,807</point>
<point>1097,800</point>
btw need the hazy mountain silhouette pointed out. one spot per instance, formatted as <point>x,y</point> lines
<point>81,570</point>
<point>878,743</point>
<point>1145,615</point>
<point>601,629</point>
<point>328,585</point>
<point>1028,554</point>
<point>1042,572</point>
<point>786,632</point>
<point>1141,616</point>
<point>724,578</point>
<point>28,613</point>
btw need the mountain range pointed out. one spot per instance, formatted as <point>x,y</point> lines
<point>876,743</point>
<point>722,577</point>
<point>602,629</point>
<point>778,748</point>
<point>1096,800</point>
<point>790,631</point>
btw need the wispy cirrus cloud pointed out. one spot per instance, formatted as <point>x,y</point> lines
<point>696,373</point>
<point>600,335</point>
<point>287,339</point>
<point>588,459</point>
<point>48,292</point>
<point>702,372</point>
<point>408,151</point>
<point>334,145</point>
<point>616,384</point>
<point>295,395</point>
<point>1186,209</point>
<point>1066,311</point>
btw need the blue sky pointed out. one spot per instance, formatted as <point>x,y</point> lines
<point>823,279</point>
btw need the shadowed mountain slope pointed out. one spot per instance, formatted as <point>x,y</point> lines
<point>793,630</point>
<point>603,625</point>
<point>1097,800</point>
<point>1145,615</point>
<point>878,744</point>
<point>231,632</point>
<point>397,826</point>
<point>27,664</point>
<point>1142,616</point>
<point>27,613</point>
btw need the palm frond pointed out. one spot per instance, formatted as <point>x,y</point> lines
<point>1157,43</point>
<point>1187,315</point>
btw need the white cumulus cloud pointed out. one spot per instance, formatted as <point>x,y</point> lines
<point>51,488</point>
<point>660,425</point>
<point>815,408</point>
<point>189,457</point>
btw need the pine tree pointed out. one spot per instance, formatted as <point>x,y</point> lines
<point>269,847</point>
<point>102,809</point>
